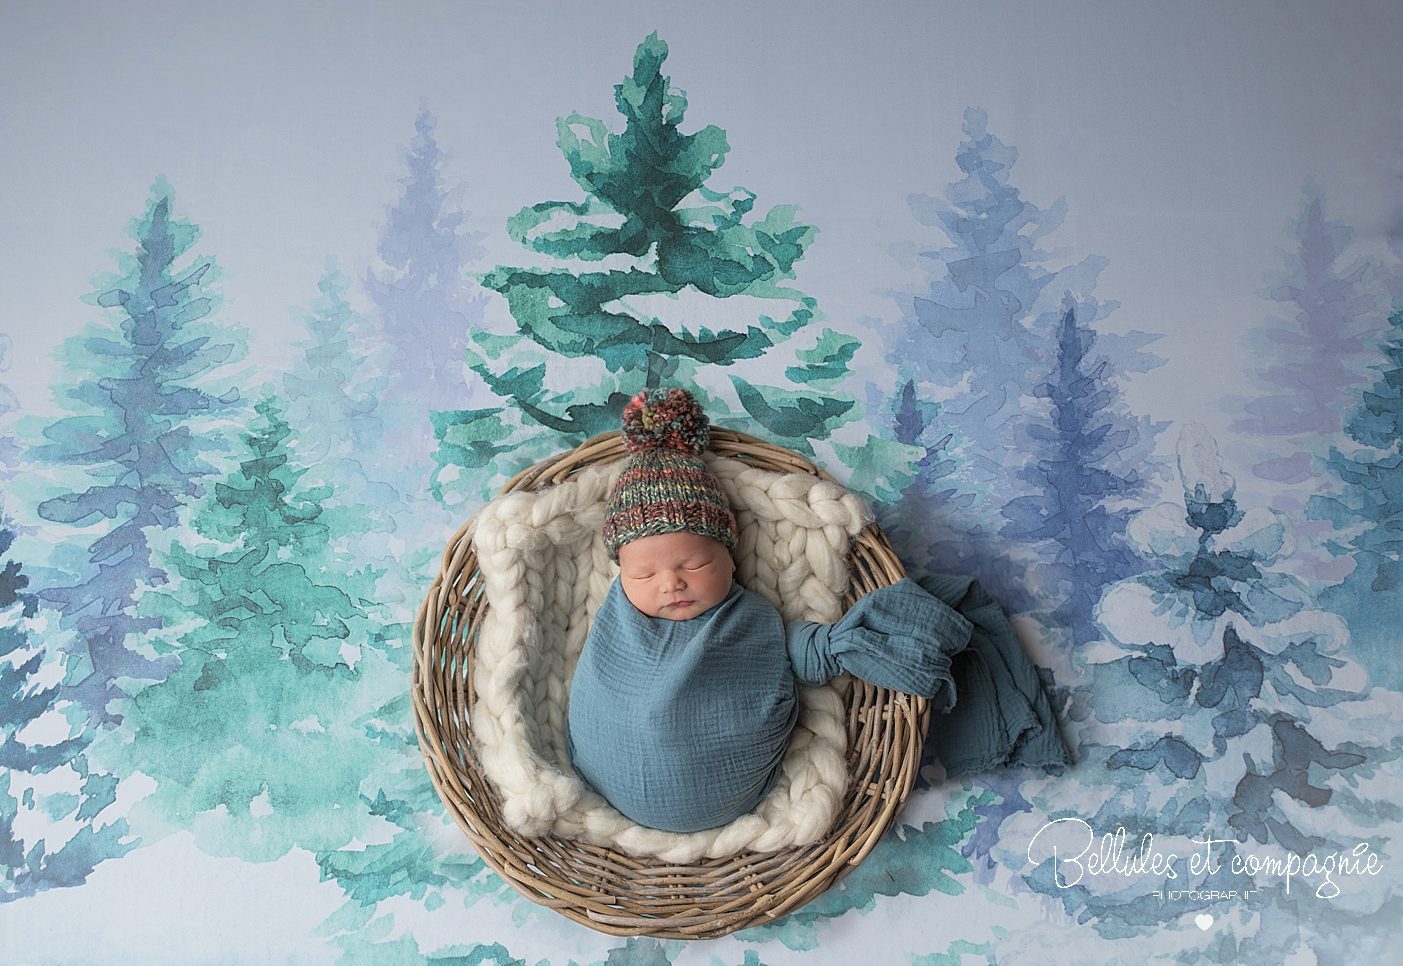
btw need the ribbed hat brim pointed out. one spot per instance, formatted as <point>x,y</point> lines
<point>667,492</point>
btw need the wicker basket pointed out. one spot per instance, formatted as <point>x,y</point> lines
<point>611,891</point>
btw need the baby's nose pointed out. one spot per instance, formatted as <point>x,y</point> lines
<point>674,581</point>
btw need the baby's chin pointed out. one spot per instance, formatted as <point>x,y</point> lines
<point>682,612</point>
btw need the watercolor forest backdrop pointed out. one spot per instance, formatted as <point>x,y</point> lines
<point>1101,303</point>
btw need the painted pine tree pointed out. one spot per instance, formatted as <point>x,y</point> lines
<point>426,305</point>
<point>935,522</point>
<point>974,340</point>
<point>1224,706</point>
<point>1366,516</point>
<point>144,392</point>
<point>1311,354</point>
<point>934,498</point>
<point>333,394</point>
<point>1087,464</point>
<point>335,386</point>
<point>257,740</point>
<point>1308,365</point>
<point>419,857</point>
<point>685,288</point>
<point>50,798</point>
<point>980,332</point>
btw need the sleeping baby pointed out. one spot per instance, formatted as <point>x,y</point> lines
<point>684,696</point>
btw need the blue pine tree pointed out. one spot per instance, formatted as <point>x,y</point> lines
<point>934,522</point>
<point>1092,462</point>
<point>977,336</point>
<point>143,394</point>
<point>1367,516</point>
<point>979,332</point>
<point>426,304</point>
<point>1311,355</point>
<point>45,777</point>
<point>1224,704</point>
<point>1308,365</point>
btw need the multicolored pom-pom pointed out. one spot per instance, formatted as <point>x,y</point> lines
<point>669,419</point>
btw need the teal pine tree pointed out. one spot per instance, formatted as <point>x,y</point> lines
<point>334,394</point>
<point>418,860</point>
<point>1367,516</point>
<point>333,391</point>
<point>144,390</point>
<point>257,741</point>
<point>679,285</point>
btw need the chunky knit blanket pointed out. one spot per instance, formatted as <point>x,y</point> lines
<point>545,571</point>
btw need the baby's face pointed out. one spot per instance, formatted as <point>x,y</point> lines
<point>675,575</point>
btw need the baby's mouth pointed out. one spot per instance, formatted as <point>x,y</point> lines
<point>681,603</point>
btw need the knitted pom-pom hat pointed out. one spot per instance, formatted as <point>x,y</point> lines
<point>666,488</point>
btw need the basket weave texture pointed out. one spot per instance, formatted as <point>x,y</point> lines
<point>611,891</point>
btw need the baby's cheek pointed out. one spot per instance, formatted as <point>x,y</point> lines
<point>635,597</point>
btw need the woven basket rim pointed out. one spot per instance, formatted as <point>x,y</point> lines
<point>611,891</point>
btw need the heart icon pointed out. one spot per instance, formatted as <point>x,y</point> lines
<point>1203,920</point>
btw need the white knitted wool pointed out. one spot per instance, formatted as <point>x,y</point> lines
<point>545,572</point>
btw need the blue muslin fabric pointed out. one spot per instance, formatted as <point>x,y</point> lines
<point>1002,718</point>
<point>683,725</point>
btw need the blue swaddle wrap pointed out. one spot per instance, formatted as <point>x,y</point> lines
<point>897,637</point>
<point>683,725</point>
<point>1002,717</point>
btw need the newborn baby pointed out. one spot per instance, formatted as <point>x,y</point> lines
<point>684,696</point>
